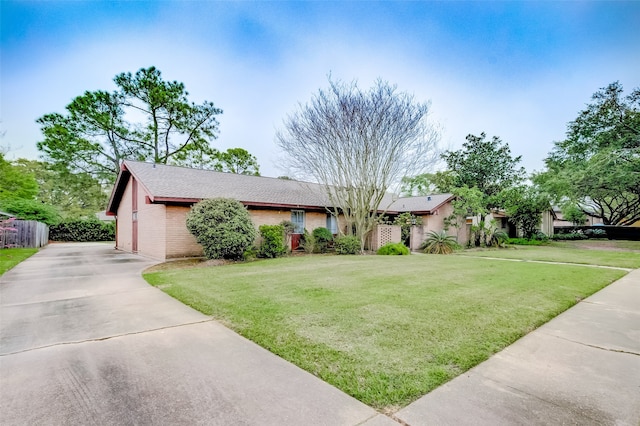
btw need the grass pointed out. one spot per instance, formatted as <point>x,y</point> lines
<point>385,330</point>
<point>11,257</point>
<point>595,252</point>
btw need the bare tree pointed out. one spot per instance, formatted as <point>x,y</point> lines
<point>359,144</point>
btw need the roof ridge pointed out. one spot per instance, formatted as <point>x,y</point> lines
<point>216,171</point>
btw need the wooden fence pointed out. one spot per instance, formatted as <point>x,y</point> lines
<point>23,233</point>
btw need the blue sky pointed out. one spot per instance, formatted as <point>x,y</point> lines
<point>518,70</point>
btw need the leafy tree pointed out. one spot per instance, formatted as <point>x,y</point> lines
<point>73,194</point>
<point>467,202</point>
<point>574,214</point>
<point>358,144</point>
<point>597,166</point>
<point>524,206</point>
<point>96,135</point>
<point>222,226</point>
<point>236,160</point>
<point>30,209</point>
<point>16,183</point>
<point>428,183</point>
<point>486,165</point>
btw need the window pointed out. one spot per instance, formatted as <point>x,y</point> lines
<point>297,217</point>
<point>332,224</point>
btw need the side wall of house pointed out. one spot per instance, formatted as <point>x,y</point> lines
<point>123,221</point>
<point>546,225</point>
<point>151,228</point>
<point>179,241</point>
<point>435,222</point>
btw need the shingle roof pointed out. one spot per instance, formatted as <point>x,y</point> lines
<point>425,203</point>
<point>164,183</point>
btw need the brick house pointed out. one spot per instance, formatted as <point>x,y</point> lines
<point>151,201</point>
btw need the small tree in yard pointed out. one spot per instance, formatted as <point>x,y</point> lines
<point>222,226</point>
<point>359,144</point>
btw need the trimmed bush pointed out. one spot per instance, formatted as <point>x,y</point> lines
<point>222,226</point>
<point>570,236</point>
<point>347,244</point>
<point>272,244</point>
<point>82,230</point>
<point>322,238</point>
<point>393,249</point>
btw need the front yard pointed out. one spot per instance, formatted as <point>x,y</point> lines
<point>622,254</point>
<point>384,329</point>
<point>11,257</point>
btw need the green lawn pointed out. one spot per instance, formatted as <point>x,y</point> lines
<point>11,257</point>
<point>602,253</point>
<point>384,329</point>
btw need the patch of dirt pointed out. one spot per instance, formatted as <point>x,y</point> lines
<point>176,264</point>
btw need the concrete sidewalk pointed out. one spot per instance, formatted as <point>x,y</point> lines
<point>85,340</point>
<point>581,368</point>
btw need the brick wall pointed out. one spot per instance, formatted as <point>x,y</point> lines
<point>179,241</point>
<point>123,221</point>
<point>151,228</point>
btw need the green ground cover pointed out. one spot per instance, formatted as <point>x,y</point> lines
<point>384,329</point>
<point>603,253</point>
<point>11,257</point>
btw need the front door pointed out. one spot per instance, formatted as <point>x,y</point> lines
<point>297,218</point>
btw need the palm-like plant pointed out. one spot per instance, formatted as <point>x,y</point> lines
<point>497,238</point>
<point>439,243</point>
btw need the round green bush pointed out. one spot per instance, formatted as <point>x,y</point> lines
<point>272,244</point>
<point>222,226</point>
<point>393,249</point>
<point>322,238</point>
<point>347,244</point>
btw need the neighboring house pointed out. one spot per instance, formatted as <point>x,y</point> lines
<point>560,221</point>
<point>151,201</point>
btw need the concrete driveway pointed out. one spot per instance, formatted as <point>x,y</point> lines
<point>84,340</point>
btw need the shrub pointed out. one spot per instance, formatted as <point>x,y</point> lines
<point>497,238</point>
<point>322,238</point>
<point>347,244</point>
<point>439,243</point>
<point>397,249</point>
<point>222,226</point>
<point>272,244</point>
<point>540,236</point>
<point>308,242</point>
<point>595,233</point>
<point>570,236</point>
<point>82,230</point>
<point>525,242</point>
